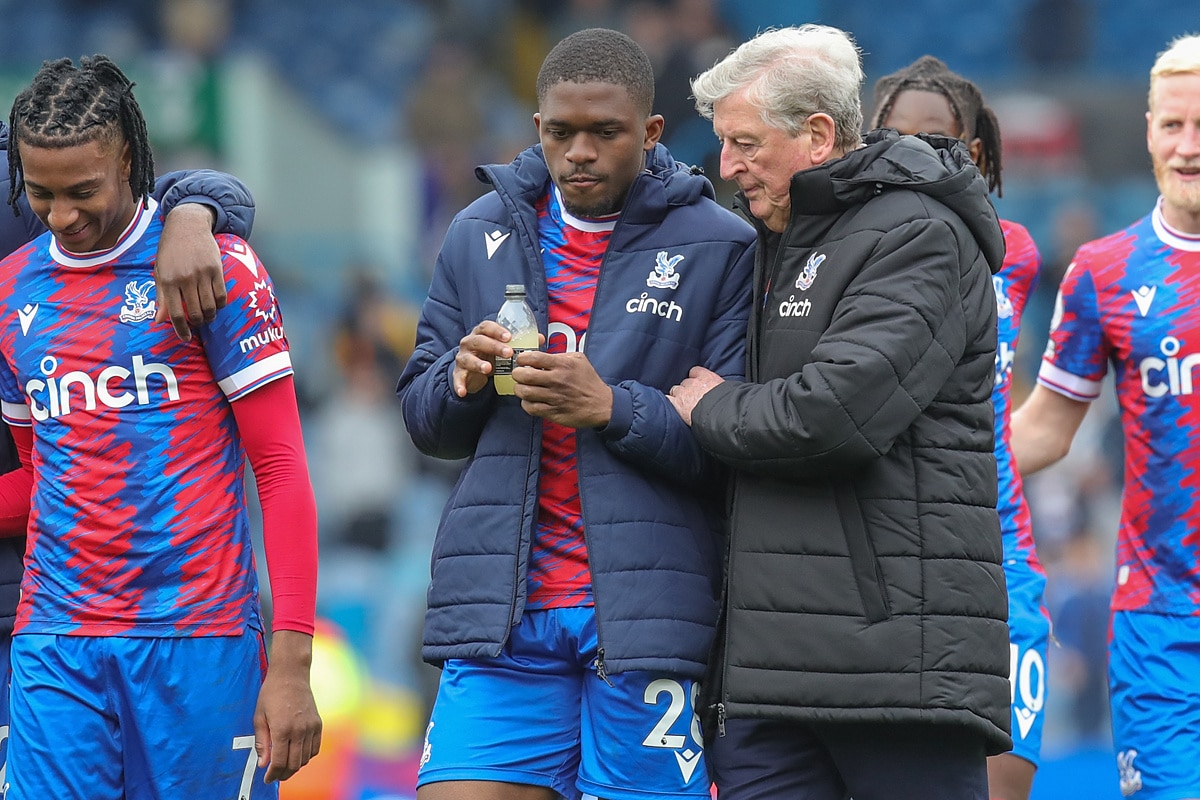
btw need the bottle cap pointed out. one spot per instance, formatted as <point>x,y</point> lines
<point>514,288</point>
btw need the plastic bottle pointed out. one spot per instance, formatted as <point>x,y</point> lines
<point>517,316</point>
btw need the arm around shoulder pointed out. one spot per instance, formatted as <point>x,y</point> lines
<point>226,197</point>
<point>190,284</point>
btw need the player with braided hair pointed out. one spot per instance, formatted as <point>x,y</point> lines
<point>975,121</point>
<point>66,106</point>
<point>188,279</point>
<point>927,97</point>
<point>190,286</point>
<point>139,630</point>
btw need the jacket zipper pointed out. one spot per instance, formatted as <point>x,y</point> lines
<point>764,276</point>
<point>538,275</point>
<point>599,665</point>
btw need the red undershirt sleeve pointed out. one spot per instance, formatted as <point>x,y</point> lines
<point>268,420</point>
<point>16,487</point>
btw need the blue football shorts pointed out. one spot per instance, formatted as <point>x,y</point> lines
<point>1028,642</point>
<point>539,714</point>
<point>129,718</point>
<point>1154,687</point>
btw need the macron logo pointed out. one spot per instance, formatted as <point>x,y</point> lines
<point>243,255</point>
<point>687,763</point>
<point>1144,296</point>
<point>1025,719</point>
<point>493,241</point>
<point>26,316</point>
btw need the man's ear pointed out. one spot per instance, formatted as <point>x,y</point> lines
<point>126,162</point>
<point>822,133</point>
<point>654,131</point>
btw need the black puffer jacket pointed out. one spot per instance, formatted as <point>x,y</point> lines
<point>864,580</point>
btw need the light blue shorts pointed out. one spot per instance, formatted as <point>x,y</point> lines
<point>124,718</point>
<point>1029,640</point>
<point>1154,686</point>
<point>540,715</point>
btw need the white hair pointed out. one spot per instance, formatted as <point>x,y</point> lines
<point>791,74</point>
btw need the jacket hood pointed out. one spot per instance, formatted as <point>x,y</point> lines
<point>527,175</point>
<point>937,166</point>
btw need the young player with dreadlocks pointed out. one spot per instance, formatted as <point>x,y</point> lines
<point>137,655</point>
<point>188,280</point>
<point>926,97</point>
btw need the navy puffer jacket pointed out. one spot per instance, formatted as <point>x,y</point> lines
<point>651,498</point>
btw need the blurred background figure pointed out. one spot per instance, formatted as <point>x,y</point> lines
<point>1079,607</point>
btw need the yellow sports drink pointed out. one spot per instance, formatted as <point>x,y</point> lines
<point>517,317</point>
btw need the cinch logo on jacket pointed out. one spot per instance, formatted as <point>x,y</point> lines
<point>668,309</point>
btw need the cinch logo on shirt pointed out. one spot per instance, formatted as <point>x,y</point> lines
<point>572,342</point>
<point>1171,375</point>
<point>52,397</point>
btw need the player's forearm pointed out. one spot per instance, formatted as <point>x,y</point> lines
<point>1035,452</point>
<point>192,215</point>
<point>1042,429</point>
<point>291,652</point>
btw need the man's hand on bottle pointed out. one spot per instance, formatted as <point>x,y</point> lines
<point>477,354</point>
<point>563,388</point>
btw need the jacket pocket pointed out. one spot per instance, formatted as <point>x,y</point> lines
<point>867,574</point>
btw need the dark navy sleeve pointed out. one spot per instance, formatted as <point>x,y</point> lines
<point>223,193</point>
<point>15,231</point>
<point>442,424</point>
